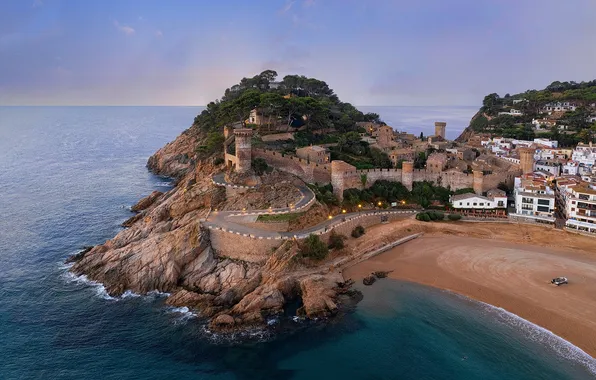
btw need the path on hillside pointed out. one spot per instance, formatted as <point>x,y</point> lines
<point>224,220</point>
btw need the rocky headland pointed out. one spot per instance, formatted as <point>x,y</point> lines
<point>165,249</point>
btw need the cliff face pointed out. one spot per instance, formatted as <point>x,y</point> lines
<point>468,132</point>
<point>176,158</point>
<point>165,249</point>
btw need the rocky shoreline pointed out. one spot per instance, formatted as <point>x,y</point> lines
<point>163,248</point>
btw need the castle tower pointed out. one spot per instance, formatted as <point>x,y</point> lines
<point>440,128</point>
<point>526,160</point>
<point>478,181</point>
<point>407,174</point>
<point>243,139</point>
<point>340,172</point>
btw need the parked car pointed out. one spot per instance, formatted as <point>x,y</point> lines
<point>559,281</point>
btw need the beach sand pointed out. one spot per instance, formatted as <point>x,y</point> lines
<point>505,265</point>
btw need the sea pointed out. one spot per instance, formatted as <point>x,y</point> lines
<point>68,176</point>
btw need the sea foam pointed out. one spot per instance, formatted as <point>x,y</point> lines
<point>538,334</point>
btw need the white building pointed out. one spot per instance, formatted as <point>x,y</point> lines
<point>552,167</point>
<point>559,107</point>
<point>585,154</point>
<point>581,209</point>
<point>512,112</point>
<point>570,168</point>
<point>546,142</point>
<point>534,199</point>
<point>494,199</point>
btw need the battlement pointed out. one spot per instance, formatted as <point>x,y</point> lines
<point>245,132</point>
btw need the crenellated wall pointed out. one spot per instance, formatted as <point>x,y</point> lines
<point>344,176</point>
<point>309,172</point>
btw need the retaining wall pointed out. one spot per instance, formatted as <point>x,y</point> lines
<point>242,247</point>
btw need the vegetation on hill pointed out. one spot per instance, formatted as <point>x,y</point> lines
<point>296,101</point>
<point>531,104</point>
<point>387,192</point>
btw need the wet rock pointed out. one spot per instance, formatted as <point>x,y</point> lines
<point>147,201</point>
<point>369,280</point>
<point>223,320</point>
<point>381,274</point>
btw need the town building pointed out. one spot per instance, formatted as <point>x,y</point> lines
<point>512,112</point>
<point>314,153</point>
<point>534,199</point>
<point>581,208</point>
<point>585,154</point>
<point>558,107</point>
<point>549,166</point>
<point>570,168</point>
<point>403,154</point>
<point>436,162</point>
<point>470,204</point>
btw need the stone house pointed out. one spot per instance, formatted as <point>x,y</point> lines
<point>314,153</point>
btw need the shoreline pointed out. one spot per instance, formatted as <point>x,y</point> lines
<point>510,276</point>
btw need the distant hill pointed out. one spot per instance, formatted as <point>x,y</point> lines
<point>561,111</point>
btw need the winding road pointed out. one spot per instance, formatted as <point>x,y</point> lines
<point>224,220</point>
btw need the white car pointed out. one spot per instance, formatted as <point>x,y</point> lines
<point>559,281</point>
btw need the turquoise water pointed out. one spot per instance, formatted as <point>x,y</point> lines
<point>67,176</point>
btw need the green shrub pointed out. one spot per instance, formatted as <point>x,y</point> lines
<point>424,216</point>
<point>358,231</point>
<point>260,166</point>
<point>218,161</point>
<point>438,215</point>
<point>454,217</point>
<point>314,248</point>
<point>336,241</point>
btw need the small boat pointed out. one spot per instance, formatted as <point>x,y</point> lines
<point>559,281</point>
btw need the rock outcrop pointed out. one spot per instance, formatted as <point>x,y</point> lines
<point>165,249</point>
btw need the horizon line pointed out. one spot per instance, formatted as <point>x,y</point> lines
<point>165,105</point>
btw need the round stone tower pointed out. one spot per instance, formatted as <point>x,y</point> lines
<point>440,128</point>
<point>526,160</point>
<point>407,174</point>
<point>243,139</point>
<point>478,181</point>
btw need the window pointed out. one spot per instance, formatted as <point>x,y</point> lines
<point>481,204</point>
<point>475,204</point>
<point>585,197</point>
<point>543,202</point>
<point>500,204</point>
<point>543,209</point>
<point>468,203</point>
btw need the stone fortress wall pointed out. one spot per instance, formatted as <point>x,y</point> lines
<point>344,176</point>
<point>309,172</point>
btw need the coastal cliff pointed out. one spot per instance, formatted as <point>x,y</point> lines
<point>164,249</point>
<point>233,281</point>
<point>468,132</point>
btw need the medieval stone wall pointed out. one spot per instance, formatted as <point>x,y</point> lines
<point>307,171</point>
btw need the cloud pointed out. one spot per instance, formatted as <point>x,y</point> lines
<point>158,33</point>
<point>124,28</point>
<point>288,6</point>
<point>37,3</point>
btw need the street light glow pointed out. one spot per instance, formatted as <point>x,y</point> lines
<point>330,217</point>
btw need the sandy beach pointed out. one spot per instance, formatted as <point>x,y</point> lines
<point>505,265</point>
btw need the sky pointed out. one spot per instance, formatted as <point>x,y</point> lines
<point>371,52</point>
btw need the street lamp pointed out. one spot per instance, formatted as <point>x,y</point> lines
<point>380,203</point>
<point>330,217</point>
<point>343,211</point>
<point>403,202</point>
